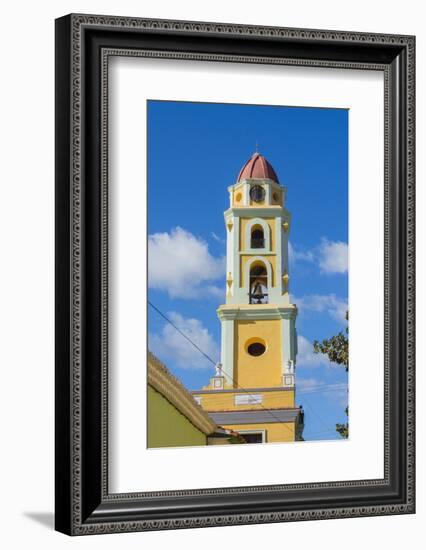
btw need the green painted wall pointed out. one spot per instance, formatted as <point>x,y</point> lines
<point>167,427</point>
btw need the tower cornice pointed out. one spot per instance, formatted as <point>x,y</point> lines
<point>261,211</point>
<point>259,181</point>
<point>257,311</point>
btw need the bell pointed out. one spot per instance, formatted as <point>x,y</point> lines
<point>258,293</point>
<point>258,289</point>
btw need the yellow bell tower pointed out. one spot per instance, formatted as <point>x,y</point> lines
<point>253,390</point>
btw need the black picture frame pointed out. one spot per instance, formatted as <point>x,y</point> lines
<point>83,45</point>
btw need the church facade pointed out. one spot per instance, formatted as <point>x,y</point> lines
<point>253,390</point>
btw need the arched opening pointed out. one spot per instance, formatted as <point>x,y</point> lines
<point>258,284</point>
<point>257,237</point>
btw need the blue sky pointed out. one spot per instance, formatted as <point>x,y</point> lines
<point>195,151</point>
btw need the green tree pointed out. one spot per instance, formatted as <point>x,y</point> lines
<point>343,429</point>
<point>337,350</point>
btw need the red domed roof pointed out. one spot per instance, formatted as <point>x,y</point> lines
<point>257,167</point>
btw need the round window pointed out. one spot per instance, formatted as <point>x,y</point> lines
<point>238,197</point>
<point>256,348</point>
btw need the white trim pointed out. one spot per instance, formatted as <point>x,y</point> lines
<point>227,350</point>
<point>246,193</point>
<point>288,343</point>
<point>247,267</point>
<point>284,194</point>
<point>229,257</point>
<point>232,256</point>
<point>248,399</point>
<point>266,234</point>
<point>293,351</point>
<point>288,380</point>
<point>289,367</point>
<point>235,255</point>
<point>284,245</point>
<point>255,252</point>
<point>285,343</point>
<point>260,181</point>
<point>268,194</point>
<point>258,311</point>
<point>261,211</point>
<point>279,247</point>
<point>218,382</point>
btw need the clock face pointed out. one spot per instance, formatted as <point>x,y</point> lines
<point>257,193</point>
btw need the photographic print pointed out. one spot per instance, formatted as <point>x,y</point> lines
<point>234,207</point>
<point>248,312</point>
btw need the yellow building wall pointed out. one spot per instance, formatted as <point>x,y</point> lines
<point>215,402</point>
<point>275,432</point>
<point>256,203</point>
<point>167,427</point>
<point>243,224</point>
<point>238,196</point>
<point>264,371</point>
<point>277,196</point>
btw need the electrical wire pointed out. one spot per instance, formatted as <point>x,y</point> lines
<point>181,333</point>
<point>229,376</point>
<point>211,360</point>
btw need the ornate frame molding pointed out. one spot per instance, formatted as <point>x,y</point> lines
<point>84,505</point>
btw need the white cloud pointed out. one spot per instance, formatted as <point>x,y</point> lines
<point>333,256</point>
<point>169,344</point>
<point>296,255</point>
<point>336,392</point>
<point>215,291</point>
<point>330,256</point>
<point>306,356</point>
<point>181,264</point>
<point>216,237</point>
<point>323,303</point>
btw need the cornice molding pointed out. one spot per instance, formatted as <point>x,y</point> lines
<point>256,416</point>
<point>258,211</point>
<point>260,311</point>
<point>243,391</point>
<point>163,381</point>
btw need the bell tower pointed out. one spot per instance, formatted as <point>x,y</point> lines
<point>253,391</point>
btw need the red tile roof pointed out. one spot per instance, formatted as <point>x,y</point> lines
<point>257,167</point>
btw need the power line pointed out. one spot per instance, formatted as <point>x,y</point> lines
<point>323,389</point>
<point>226,374</point>
<point>211,360</point>
<point>182,333</point>
<point>318,416</point>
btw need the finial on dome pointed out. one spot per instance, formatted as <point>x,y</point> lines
<point>257,146</point>
<point>257,167</point>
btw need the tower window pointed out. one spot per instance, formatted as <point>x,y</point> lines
<point>253,437</point>
<point>257,237</point>
<point>258,285</point>
<point>256,349</point>
<point>257,193</point>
